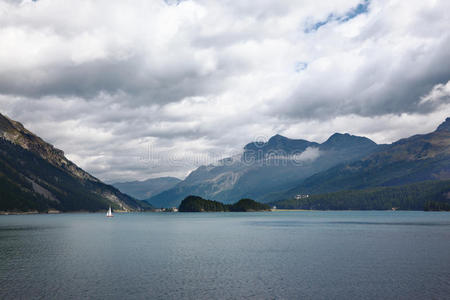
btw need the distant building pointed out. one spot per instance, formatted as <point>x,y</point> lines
<point>171,209</point>
<point>301,196</point>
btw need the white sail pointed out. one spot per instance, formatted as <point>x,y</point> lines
<point>109,213</point>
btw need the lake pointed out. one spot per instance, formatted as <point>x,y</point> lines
<point>267,255</point>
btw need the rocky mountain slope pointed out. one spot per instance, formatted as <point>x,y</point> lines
<point>264,168</point>
<point>418,158</point>
<point>34,175</point>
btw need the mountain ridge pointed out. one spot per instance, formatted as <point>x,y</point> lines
<point>278,163</point>
<point>343,161</point>
<point>444,126</point>
<point>16,133</point>
<point>34,175</point>
<point>420,157</point>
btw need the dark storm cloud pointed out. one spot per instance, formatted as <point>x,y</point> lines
<point>142,84</point>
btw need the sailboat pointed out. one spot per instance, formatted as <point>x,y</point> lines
<point>109,213</point>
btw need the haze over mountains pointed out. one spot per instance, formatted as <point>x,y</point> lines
<point>35,176</point>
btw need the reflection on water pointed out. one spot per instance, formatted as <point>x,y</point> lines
<point>281,255</point>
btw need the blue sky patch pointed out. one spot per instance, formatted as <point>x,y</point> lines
<point>300,66</point>
<point>361,8</point>
<point>319,24</point>
<point>173,2</point>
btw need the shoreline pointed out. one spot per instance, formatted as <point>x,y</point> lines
<point>56,212</point>
<point>294,209</point>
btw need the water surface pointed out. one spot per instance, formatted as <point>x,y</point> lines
<point>273,255</point>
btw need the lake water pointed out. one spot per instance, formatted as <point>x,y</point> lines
<point>271,255</point>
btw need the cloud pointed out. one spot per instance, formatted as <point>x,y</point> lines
<point>439,94</point>
<point>194,81</point>
<point>310,154</point>
<point>377,63</point>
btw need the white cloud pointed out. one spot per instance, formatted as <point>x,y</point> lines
<point>104,80</point>
<point>439,94</point>
<point>310,154</point>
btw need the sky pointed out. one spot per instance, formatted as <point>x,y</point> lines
<point>141,89</point>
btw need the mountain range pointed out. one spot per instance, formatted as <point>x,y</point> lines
<point>282,168</point>
<point>418,158</point>
<point>35,176</point>
<point>264,168</point>
<point>412,173</point>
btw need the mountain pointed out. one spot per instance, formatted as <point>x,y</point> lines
<point>418,158</point>
<point>147,188</point>
<point>264,168</point>
<point>35,176</point>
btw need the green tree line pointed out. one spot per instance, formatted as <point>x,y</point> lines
<point>198,204</point>
<point>428,195</point>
